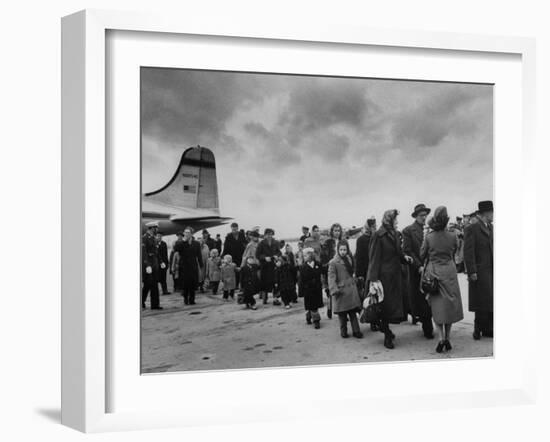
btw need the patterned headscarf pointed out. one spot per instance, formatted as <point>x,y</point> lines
<point>388,220</point>
<point>440,219</point>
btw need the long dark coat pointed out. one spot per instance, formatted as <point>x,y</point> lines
<point>267,269</point>
<point>190,259</point>
<point>311,286</point>
<point>362,254</point>
<point>385,259</point>
<point>478,258</point>
<point>234,246</point>
<point>413,236</point>
<point>250,281</point>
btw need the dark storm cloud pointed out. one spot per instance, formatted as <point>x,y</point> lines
<point>443,112</point>
<point>316,104</point>
<point>192,107</point>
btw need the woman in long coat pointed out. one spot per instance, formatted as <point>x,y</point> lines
<point>267,249</point>
<point>343,289</point>
<point>440,247</point>
<point>385,259</point>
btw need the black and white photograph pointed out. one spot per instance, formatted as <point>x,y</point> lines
<point>302,220</point>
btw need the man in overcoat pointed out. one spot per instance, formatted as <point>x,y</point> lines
<point>234,245</point>
<point>163,262</point>
<point>267,250</point>
<point>413,236</point>
<point>150,266</point>
<point>478,260</point>
<point>190,259</point>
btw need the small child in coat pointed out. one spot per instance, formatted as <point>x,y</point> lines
<point>213,270</point>
<point>229,277</point>
<point>285,283</point>
<point>250,281</point>
<point>312,287</point>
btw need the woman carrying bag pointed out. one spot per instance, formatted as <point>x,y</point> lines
<point>439,280</point>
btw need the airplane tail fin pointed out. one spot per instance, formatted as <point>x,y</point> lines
<point>194,184</point>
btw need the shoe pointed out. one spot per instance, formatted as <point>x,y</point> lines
<point>308,321</point>
<point>476,335</point>
<point>157,308</point>
<point>317,325</point>
<point>448,345</point>
<point>440,346</point>
<point>276,302</point>
<point>358,335</point>
<point>388,342</point>
<point>253,308</point>
<point>287,307</point>
<point>192,303</point>
<point>344,334</point>
<point>429,335</point>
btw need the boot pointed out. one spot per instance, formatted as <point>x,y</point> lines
<point>356,331</point>
<point>316,319</point>
<point>343,325</point>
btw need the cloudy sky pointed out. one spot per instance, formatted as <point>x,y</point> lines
<point>298,150</point>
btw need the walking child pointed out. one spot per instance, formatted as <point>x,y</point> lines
<point>250,281</point>
<point>229,277</point>
<point>285,284</point>
<point>213,270</point>
<point>311,287</point>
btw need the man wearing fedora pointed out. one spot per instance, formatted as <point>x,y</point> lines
<point>478,260</point>
<point>413,236</point>
<point>150,266</point>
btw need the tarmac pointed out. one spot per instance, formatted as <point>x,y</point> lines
<point>218,335</point>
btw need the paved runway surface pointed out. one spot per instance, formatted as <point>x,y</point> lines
<point>214,335</point>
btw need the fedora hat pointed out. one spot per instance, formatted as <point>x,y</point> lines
<point>485,206</point>
<point>420,208</point>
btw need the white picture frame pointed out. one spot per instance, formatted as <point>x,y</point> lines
<point>85,198</point>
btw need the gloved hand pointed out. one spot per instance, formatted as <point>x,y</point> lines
<point>148,270</point>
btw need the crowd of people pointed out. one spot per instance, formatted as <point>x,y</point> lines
<point>394,273</point>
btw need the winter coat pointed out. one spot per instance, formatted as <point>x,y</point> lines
<point>267,269</point>
<point>229,276</point>
<point>385,259</point>
<point>284,278</point>
<point>205,253</point>
<point>250,279</point>
<point>342,287</point>
<point>413,237</point>
<point>234,246</point>
<point>478,258</point>
<point>311,286</point>
<point>446,305</point>
<point>213,271</point>
<point>149,258</point>
<point>362,254</point>
<point>250,250</point>
<point>190,259</point>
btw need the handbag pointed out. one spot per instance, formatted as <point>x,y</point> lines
<point>372,312</point>
<point>429,284</point>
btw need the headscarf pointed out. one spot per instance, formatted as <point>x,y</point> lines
<point>388,220</point>
<point>440,219</point>
<point>348,259</point>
